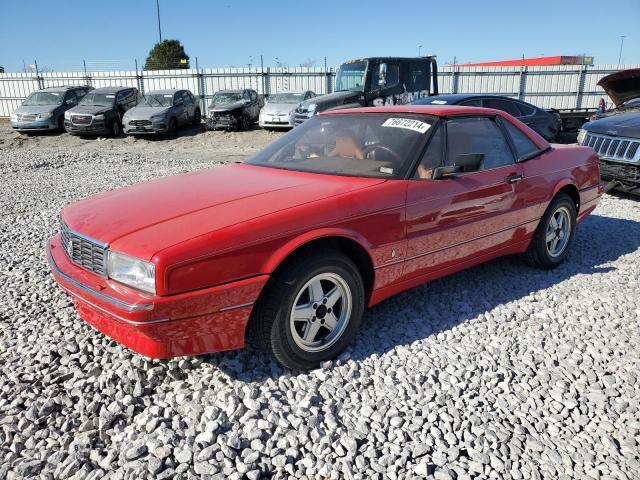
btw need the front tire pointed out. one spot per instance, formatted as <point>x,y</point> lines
<point>554,236</point>
<point>115,128</point>
<point>172,128</point>
<point>310,310</point>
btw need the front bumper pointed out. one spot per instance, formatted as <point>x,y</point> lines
<point>627,175</point>
<point>193,323</point>
<point>276,122</point>
<point>222,122</point>
<point>94,128</point>
<point>34,125</point>
<point>156,128</point>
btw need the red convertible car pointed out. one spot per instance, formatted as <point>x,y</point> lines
<point>293,244</point>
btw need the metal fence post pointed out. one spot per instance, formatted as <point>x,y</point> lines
<point>39,79</point>
<point>202,93</point>
<point>454,80</point>
<point>139,79</point>
<point>581,82</point>
<point>523,82</point>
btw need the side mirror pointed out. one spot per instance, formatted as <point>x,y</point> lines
<point>446,172</point>
<point>69,102</point>
<point>382,75</point>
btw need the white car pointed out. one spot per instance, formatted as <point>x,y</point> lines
<point>279,109</point>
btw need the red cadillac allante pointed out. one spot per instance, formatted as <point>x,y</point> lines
<point>342,212</point>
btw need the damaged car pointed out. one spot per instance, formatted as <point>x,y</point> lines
<point>279,109</point>
<point>234,110</point>
<point>615,134</point>
<point>162,112</point>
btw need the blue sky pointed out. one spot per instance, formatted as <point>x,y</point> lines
<point>113,33</point>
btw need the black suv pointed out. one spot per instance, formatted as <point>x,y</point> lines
<point>100,112</point>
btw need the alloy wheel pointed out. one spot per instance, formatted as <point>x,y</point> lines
<point>558,231</point>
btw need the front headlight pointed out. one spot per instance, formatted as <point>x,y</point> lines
<point>67,115</point>
<point>157,118</point>
<point>100,116</point>
<point>312,108</point>
<point>45,115</point>
<point>132,271</point>
<point>581,134</point>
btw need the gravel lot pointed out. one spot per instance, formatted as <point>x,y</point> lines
<point>501,371</point>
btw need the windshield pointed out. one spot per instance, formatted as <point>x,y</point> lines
<point>224,98</point>
<point>158,100</point>
<point>376,145</point>
<point>44,98</point>
<point>285,98</point>
<point>98,99</point>
<point>351,76</point>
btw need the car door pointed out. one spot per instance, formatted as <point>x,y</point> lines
<point>180,108</point>
<point>70,100</point>
<point>539,120</point>
<point>255,105</point>
<point>460,218</point>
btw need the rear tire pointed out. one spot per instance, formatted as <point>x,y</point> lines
<point>172,129</point>
<point>310,310</point>
<point>244,123</point>
<point>115,128</point>
<point>197,118</point>
<point>61,128</point>
<point>554,236</point>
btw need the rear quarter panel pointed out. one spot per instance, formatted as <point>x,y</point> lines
<point>561,166</point>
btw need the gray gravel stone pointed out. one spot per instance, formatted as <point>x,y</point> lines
<point>501,371</point>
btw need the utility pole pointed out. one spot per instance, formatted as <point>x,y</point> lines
<point>622,37</point>
<point>159,28</point>
<point>419,50</point>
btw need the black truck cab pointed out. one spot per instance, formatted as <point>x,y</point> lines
<point>376,81</point>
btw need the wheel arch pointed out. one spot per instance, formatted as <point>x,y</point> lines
<point>566,186</point>
<point>351,244</point>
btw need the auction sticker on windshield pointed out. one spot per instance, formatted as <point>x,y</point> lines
<point>408,123</point>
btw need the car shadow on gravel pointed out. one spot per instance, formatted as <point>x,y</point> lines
<point>442,304</point>
<point>186,131</point>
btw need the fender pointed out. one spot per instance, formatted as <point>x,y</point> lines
<point>278,256</point>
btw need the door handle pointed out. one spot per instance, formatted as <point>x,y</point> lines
<point>513,178</point>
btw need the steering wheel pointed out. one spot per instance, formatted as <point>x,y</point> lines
<point>383,148</point>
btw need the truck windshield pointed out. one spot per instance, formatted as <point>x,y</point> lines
<point>351,76</point>
<point>44,98</point>
<point>158,100</point>
<point>98,99</point>
<point>371,145</point>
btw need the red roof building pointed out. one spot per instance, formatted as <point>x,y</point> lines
<point>535,62</point>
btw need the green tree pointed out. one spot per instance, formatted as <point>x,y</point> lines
<point>167,54</point>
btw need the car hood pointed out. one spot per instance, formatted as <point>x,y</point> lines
<point>279,107</point>
<point>622,86</point>
<point>334,99</point>
<point>227,107</point>
<point>89,109</point>
<point>622,125</point>
<point>35,109</point>
<point>145,218</point>
<point>145,113</point>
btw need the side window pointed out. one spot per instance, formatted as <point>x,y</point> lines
<point>521,142</point>
<point>432,157</point>
<point>71,98</point>
<point>525,109</point>
<point>246,95</point>
<point>178,98</point>
<point>477,136</point>
<point>120,98</point>
<point>418,76</point>
<point>80,93</point>
<point>393,75</point>
<point>501,104</point>
<point>474,102</point>
<point>188,98</point>
<point>254,96</point>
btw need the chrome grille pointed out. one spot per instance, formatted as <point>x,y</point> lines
<point>27,117</point>
<point>614,148</point>
<point>84,252</point>
<point>81,119</point>
<point>140,123</point>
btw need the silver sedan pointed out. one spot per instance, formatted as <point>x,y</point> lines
<point>162,112</point>
<point>279,108</point>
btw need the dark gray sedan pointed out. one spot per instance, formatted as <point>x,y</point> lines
<point>162,112</point>
<point>545,123</point>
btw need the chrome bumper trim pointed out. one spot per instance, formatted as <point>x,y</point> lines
<point>127,307</point>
